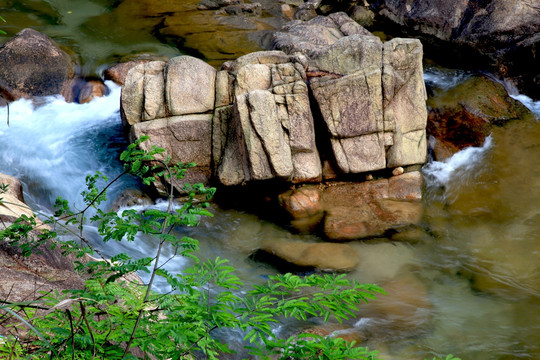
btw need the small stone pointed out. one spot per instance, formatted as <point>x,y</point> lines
<point>398,171</point>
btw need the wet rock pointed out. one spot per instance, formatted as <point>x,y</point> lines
<point>362,15</point>
<point>362,210</point>
<point>323,256</point>
<point>215,4</point>
<point>91,90</point>
<point>254,9</point>
<point>464,115</point>
<point>33,65</point>
<point>304,207</point>
<point>129,198</point>
<point>118,72</point>
<point>503,31</point>
<point>406,305</point>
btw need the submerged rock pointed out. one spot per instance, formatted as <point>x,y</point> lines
<point>322,256</point>
<point>464,115</point>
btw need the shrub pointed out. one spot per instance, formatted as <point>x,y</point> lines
<point>116,317</point>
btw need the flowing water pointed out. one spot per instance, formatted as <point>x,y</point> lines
<point>467,282</point>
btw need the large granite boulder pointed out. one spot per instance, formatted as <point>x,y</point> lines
<point>371,95</point>
<point>33,65</point>
<point>268,130</point>
<point>185,139</point>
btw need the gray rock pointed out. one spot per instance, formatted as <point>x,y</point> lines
<point>185,139</point>
<point>189,86</point>
<point>154,91</point>
<point>405,113</point>
<point>132,98</point>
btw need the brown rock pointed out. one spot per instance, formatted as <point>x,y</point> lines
<point>14,186</point>
<point>323,256</point>
<point>304,207</point>
<point>464,115</point>
<point>33,65</point>
<point>118,72</point>
<point>91,90</point>
<point>360,210</point>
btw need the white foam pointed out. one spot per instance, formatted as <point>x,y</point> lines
<point>52,146</point>
<point>441,173</point>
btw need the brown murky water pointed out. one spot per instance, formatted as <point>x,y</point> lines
<point>466,282</point>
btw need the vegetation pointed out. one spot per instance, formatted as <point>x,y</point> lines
<point>115,316</point>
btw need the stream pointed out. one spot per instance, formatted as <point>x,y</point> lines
<point>466,281</point>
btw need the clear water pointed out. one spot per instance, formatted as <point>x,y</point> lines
<point>467,282</point>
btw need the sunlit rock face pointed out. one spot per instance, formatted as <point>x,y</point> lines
<point>269,115</point>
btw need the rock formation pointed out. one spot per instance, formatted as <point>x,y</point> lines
<point>254,120</point>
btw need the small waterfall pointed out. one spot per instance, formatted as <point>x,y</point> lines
<point>51,145</point>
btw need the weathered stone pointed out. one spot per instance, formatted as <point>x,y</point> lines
<point>33,65</point>
<point>259,57</point>
<point>254,9</point>
<point>323,256</point>
<point>362,15</point>
<point>359,154</point>
<point>404,102</point>
<point>409,148</point>
<point>185,139</point>
<point>154,91</point>
<point>360,210</point>
<point>302,202</point>
<point>265,122</point>
<point>129,198</point>
<point>252,77</point>
<point>259,166</point>
<point>309,37</point>
<point>132,98</point>
<point>220,125</point>
<point>189,86</point>
<point>348,55</point>
<point>502,33</point>
<point>215,4</point>
<point>341,109</point>
<point>223,89</point>
<point>24,278</point>
<point>14,186</point>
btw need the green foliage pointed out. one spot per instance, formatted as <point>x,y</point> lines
<point>2,32</point>
<point>117,317</point>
